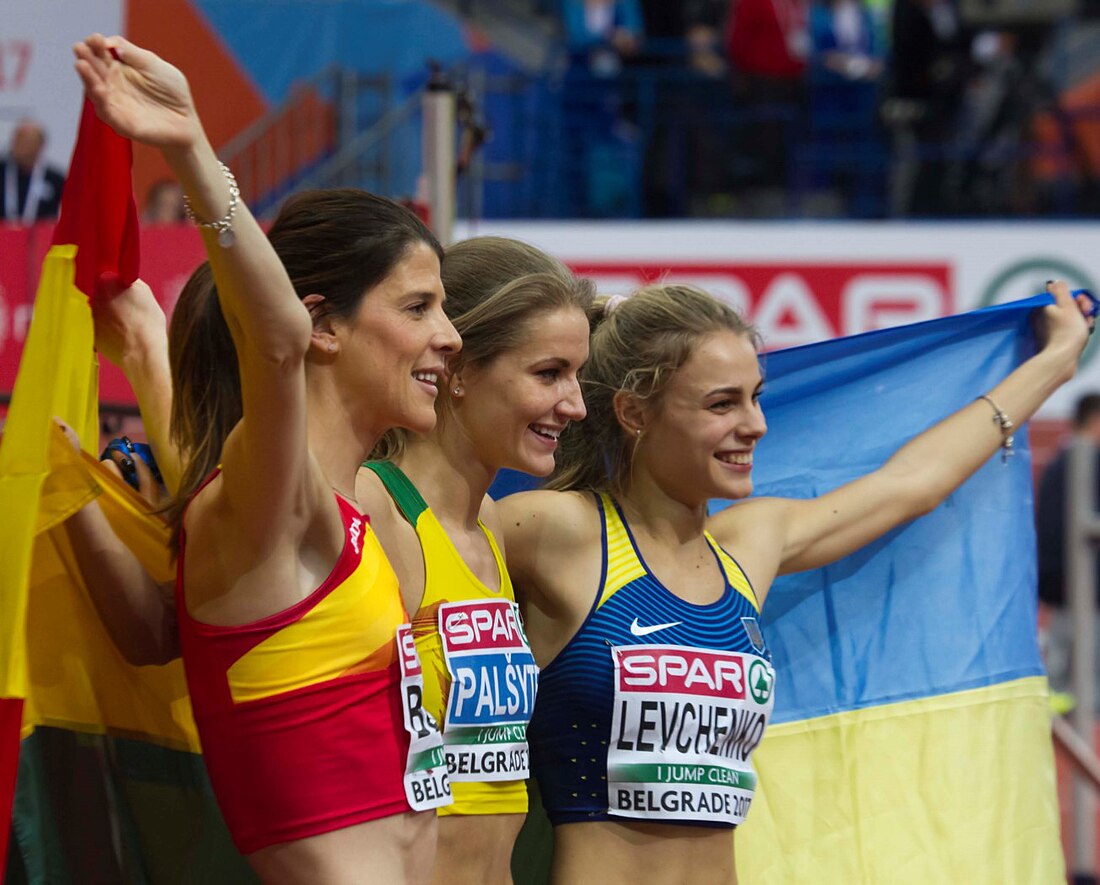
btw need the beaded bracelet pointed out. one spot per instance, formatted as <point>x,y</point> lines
<point>223,227</point>
<point>1005,424</point>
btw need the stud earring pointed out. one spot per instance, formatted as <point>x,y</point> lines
<point>638,431</point>
<point>457,391</point>
<point>331,346</point>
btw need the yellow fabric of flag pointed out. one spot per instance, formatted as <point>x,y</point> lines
<point>55,652</point>
<point>57,377</point>
<point>955,788</point>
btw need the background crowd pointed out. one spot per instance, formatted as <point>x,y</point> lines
<point>865,108</point>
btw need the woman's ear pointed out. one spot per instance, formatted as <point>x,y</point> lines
<point>456,384</point>
<point>323,337</point>
<point>629,412</point>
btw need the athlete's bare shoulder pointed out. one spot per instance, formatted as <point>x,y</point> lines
<point>396,535</point>
<point>549,518</point>
<point>372,494</point>
<point>542,527</point>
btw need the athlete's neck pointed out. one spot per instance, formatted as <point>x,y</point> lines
<point>340,435</point>
<point>448,476</point>
<point>339,451</point>
<point>651,508</point>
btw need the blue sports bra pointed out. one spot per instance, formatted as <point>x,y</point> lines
<point>652,710</point>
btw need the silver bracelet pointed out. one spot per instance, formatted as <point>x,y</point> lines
<point>223,227</point>
<point>1006,426</point>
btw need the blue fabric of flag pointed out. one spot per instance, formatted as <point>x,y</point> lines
<point>943,604</point>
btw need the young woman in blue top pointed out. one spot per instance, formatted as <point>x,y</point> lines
<point>656,682</point>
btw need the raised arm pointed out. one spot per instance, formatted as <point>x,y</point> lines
<point>131,332</point>
<point>265,461</point>
<point>136,610</point>
<point>795,535</point>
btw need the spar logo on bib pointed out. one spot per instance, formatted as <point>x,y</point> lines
<point>682,671</point>
<point>684,725</point>
<point>494,680</point>
<point>481,624</point>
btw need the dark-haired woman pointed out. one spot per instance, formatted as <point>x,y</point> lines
<point>303,676</point>
<point>630,592</point>
<point>510,394</point>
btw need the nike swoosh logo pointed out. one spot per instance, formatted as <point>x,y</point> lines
<point>638,630</point>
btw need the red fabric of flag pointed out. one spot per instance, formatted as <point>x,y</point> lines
<point>11,721</point>
<point>98,213</point>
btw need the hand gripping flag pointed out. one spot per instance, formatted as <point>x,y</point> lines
<point>57,666</point>
<point>911,741</point>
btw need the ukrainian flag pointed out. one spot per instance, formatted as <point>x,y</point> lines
<point>911,739</point>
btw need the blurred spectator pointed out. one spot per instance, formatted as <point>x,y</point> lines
<point>767,46</point>
<point>687,145</point>
<point>844,42</point>
<point>691,30</point>
<point>602,32</point>
<point>768,41</point>
<point>30,189</point>
<point>602,152</point>
<point>1050,519</point>
<point>846,62</point>
<point>929,67</point>
<point>163,203</point>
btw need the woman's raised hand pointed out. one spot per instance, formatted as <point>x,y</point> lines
<point>1063,327</point>
<point>127,321</point>
<point>136,92</point>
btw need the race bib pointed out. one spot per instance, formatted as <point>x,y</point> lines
<point>426,783</point>
<point>684,726</point>
<point>493,684</point>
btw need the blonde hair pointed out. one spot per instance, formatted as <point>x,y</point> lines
<point>496,288</point>
<point>637,345</point>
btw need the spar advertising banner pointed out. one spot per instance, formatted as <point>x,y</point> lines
<point>799,282</point>
<point>37,80</point>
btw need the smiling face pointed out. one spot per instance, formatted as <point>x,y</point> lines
<point>697,441</point>
<point>514,408</point>
<point>394,349</point>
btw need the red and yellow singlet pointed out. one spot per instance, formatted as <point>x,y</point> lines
<point>301,713</point>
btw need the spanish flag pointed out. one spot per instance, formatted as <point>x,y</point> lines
<point>105,752</point>
<point>911,741</point>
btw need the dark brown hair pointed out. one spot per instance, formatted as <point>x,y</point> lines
<point>337,243</point>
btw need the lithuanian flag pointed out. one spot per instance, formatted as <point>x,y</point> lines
<point>110,783</point>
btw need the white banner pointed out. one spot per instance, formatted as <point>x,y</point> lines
<point>37,79</point>
<point>801,282</point>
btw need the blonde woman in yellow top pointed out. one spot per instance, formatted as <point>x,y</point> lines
<point>521,315</point>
